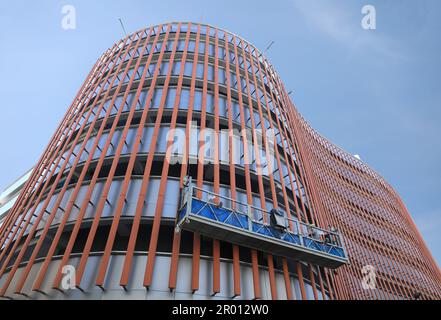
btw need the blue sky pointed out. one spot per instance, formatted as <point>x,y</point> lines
<point>376,93</point>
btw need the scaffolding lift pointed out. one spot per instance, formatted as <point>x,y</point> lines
<point>223,218</point>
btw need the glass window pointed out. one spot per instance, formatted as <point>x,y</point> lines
<point>247,116</point>
<point>169,46</point>
<point>157,95</point>
<point>148,49</point>
<point>170,100</point>
<point>194,141</point>
<point>236,111</point>
<point>171,201</point>
<point>221,53</point>
<point>222,78</point>
<point>130,98</point>
<point>188,69</point>
<point>232,57</point>
<point>117,102</point>
<point>164,68</point>
<point>233,80</point>
<point>137,53</point>
<point>102,113</point>
<point>194,28</point>
<point>197,100</point>
<point>253,91</point>
<point>151,70</point>
<point>249,66</point>
<point>129,75</point>
<point>181,45</point>
<point>241,61</point>
<point>223,107</point>
<point>146,138</point>
<point>270,103</point>
<point>161,143</point>
<point>131,134</point>
<point>211,50</point>
<point>210,103</point>
<point>176,68</point>
<point>200,71</point>
<point>209,144</point>
<point>139,72</point>
<point>244,84</point>
<point>129,55</point>
<point>141,100</point>
<point>201,48</point>
<point>117,79</point>
<point>185,99</point>
<point>267,124</point>
<point>174,27</point>
<point>126,106</point>
<point>191,45</point>
<point>177,147</point>
<point>210,73</point>
<point>158,47</point>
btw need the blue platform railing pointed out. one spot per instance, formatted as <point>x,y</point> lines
<point>223,217</point>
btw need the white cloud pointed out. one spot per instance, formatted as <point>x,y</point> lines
<point>329,19</point>
<point>342,23</point>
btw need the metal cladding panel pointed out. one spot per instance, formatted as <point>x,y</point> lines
<point>107,184</point>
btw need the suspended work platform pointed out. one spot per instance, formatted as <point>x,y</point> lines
<point>223,218</point>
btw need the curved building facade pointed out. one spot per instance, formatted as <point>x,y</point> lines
<point>180,118</point>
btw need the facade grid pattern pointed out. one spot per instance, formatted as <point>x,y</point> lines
<point>104,194</point>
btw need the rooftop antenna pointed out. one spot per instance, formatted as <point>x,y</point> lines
<point>122,26</point>
<point>267,48</point>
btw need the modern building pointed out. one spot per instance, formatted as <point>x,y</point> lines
<point>182,170</point>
